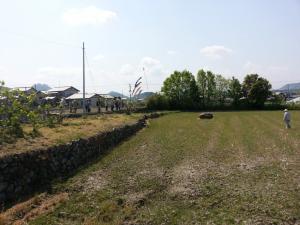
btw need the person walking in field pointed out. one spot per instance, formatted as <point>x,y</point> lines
<point>287,119</point>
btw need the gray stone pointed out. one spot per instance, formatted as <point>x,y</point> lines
<point>206,115</point>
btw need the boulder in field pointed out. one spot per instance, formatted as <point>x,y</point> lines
<point>206,115</point>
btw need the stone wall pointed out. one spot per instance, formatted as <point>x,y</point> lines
<point>23,174</point>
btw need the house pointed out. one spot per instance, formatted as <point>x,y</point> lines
<point>62,92</point>
<point>31,90</point>
<point>93,98</point>
<point>26,90</point>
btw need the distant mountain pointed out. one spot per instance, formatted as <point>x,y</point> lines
<point>145,95</point>
<point>291,87</point>
<point>117,94</point>
<point>41,87</point>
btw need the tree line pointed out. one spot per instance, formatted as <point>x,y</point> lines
<point>184,91</point>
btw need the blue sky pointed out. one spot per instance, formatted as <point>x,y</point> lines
<point>41,41</point>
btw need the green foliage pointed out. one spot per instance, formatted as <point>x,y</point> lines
<point>181,90</point>
<point>256,89</point>
<point>17,108</point>
<point>207,87</point>
<point>222,89</point>
<point>210,91</point>
<point>157,102</point>
<point>235,91</point>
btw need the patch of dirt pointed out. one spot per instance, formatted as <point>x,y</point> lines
<point>24,212</point>
<point>139,198</point>
<point>95,182</point>
<point>248,165</point>
<point>185,178</point>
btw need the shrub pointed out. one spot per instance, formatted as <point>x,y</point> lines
<point>158,102</point>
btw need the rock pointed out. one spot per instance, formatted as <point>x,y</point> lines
<point>206,115</point>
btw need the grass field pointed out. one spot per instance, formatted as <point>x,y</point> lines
<point>70,129</point>
<point>239,168</point>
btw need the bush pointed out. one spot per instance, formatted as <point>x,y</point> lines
<point>158,102</point>
<point>17,108</point>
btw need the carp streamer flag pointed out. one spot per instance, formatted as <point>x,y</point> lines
<point>136,85</point>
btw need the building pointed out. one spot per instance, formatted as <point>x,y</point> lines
<point>26,90</point>
<point>62,92</point>
<point>294,101</point>
<point>78,97</point>
<point>31,90</point>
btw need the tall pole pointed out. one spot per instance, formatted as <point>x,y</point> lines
<point>146,78</point>
<point>83,74</point>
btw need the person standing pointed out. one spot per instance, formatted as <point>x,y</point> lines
<point>71,105</point>
<point>99,105</point>
<point>106,105</point>
<point>287,119</point>
<point>75,105</point>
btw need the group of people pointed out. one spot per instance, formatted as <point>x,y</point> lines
<point>115,104</point>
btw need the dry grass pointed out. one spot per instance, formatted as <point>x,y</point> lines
<point>24,212</point>
<point>71,129</point>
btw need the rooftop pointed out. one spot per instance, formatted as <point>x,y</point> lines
<point>60,89</point>
<point>80,96</point>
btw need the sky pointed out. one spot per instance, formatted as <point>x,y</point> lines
<point>41,41</point>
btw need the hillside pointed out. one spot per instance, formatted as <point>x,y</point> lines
<point>145,95</point>
<point>117,94</point>
<point>41,87</point>
<point>293,86</point>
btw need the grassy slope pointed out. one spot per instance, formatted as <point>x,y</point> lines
<point>239,168</point>
<point>71,129</point>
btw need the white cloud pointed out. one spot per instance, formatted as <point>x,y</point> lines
<point>152,77</point>
<point>127,70</point>
<point>88,16</point>
<point>215,51</point>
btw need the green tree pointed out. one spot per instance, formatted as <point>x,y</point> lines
<point>211,86</point>
<point>181,90</point>
<point>248,83</point>
<point>235,90</point>
<point>202,86</point>
<point>222,87</point>
<point>256,89</point>
<point>15,109</point>
<point>157,102</point>
<point>207,86</point>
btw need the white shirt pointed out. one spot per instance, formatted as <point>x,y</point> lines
<point>287,116</point>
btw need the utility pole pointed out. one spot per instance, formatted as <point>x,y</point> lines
<point>130,93</point>
<point>83,74</point>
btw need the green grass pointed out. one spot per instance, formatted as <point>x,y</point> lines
<point>239,168</point>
